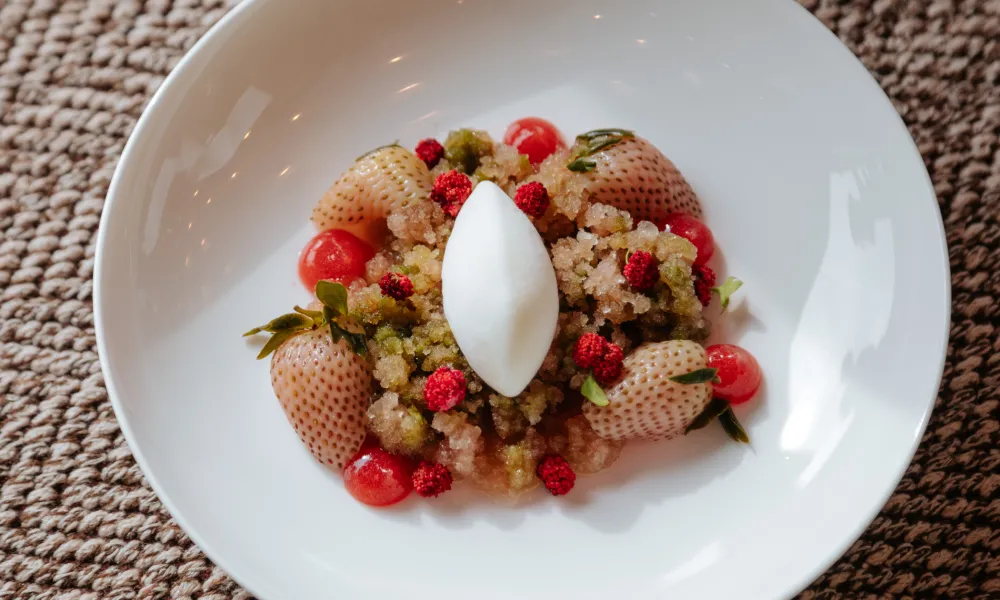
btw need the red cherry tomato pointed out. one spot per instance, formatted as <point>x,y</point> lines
<point>739,373</point>
<point>693,231</point>
<point>535,137</point>
<point>377,478</point>
<point>336,255</point>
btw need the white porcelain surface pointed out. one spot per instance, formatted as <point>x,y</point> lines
<point>815,192</point>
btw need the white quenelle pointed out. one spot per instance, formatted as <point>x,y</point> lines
<point>499,290</point>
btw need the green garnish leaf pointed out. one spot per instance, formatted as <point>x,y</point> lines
<point>727,289</point>
<point>733,428</point>
<point>596,133</point>
<point>374,150</point>
<point>598,144</point>
<point>592,391</point>
<point>315,315</point>
<point>333,295</point>
<point>288,322</point>
<point>276,340</point>
<point>697,376</point>
<point>581,165</point>
<point>355,340</point>
<point>715,407</point>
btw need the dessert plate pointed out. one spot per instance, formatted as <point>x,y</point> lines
<point>809,181</point>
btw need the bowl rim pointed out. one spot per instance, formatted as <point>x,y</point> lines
<point>183,69</point>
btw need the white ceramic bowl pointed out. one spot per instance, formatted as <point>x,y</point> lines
<point>815,192</point>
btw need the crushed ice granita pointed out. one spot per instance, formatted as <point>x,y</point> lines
<point>507,314</point>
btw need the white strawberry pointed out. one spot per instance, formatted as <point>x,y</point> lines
<point>632,174</point>
<point>324,389</point>
<point>321,375</point>
<point>645,403</point>
<point>380,182</point>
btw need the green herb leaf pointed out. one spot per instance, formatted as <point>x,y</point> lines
<point>315,315</point>
<point>276,340</point>
<point>333,295</point>
<point>374,150</point>
<point>596,133</point>
<point>592,391</point>
<point>697,376</point>
<point>355,340</point>
<point>733,428</point>
<point>599,144</point>
<point>727,289</point>
<point>581,165</point>
<point>288,322</point>
<point>715,407</point>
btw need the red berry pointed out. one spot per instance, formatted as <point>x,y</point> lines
<point>693,231</point>
<point>556,474</point>
<point>451,190</point>
<point>641,270</point>
<point>739,374</point>
<point>704,281</point>
<point>534,137</point>
<point>610,366</point>
<point>334,255</point>
<point>377,478</point>
<point>532,198</point>
<point>396,286</point>
<point>431,479</point>
<point>444,389</point>
<point>430,151</point>
<point>589,350</point>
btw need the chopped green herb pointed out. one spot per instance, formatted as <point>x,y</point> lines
<point>727,289</point>
<point>715,407</point>
<point>592,391</point>
<point>732,426</point>
<point>697,376</point>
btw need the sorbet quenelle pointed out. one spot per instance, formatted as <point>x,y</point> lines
<point>504,314</point>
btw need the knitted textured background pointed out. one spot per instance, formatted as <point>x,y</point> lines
<point>77,519</point>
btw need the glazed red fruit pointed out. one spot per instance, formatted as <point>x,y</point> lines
<point>377,478</point>
<point>739,373</point>
<point>335,255</point>
<point>535,137</point>
<point>693,231</point>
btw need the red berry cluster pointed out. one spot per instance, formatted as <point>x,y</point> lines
<point>556,474</point>
<point>601,356</point>
<point>532,198</point>
<point>444,389</point>
<point>451,190</point>
<point>431,479</point>
<point>430,151</point>
<point>642,270</point>
<point>704,281</point>
<point>396,286</point>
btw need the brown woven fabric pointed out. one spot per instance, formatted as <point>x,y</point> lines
<point>77,519</point>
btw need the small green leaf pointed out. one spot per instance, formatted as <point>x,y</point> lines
<point>355,340</point>
<point>581,165</point>
<point>727,289</point>
<point>715,407</point>
<point>315,315</point>
<point>333,295</point>
<point>596,133</point>
<point>276,340</point>
<point>697,376</point>
<point>288,322</point>
<point>733,428</point>
<point>592,391</point>
<point>599,144</point>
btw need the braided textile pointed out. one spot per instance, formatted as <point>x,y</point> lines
<point>77,519</point>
